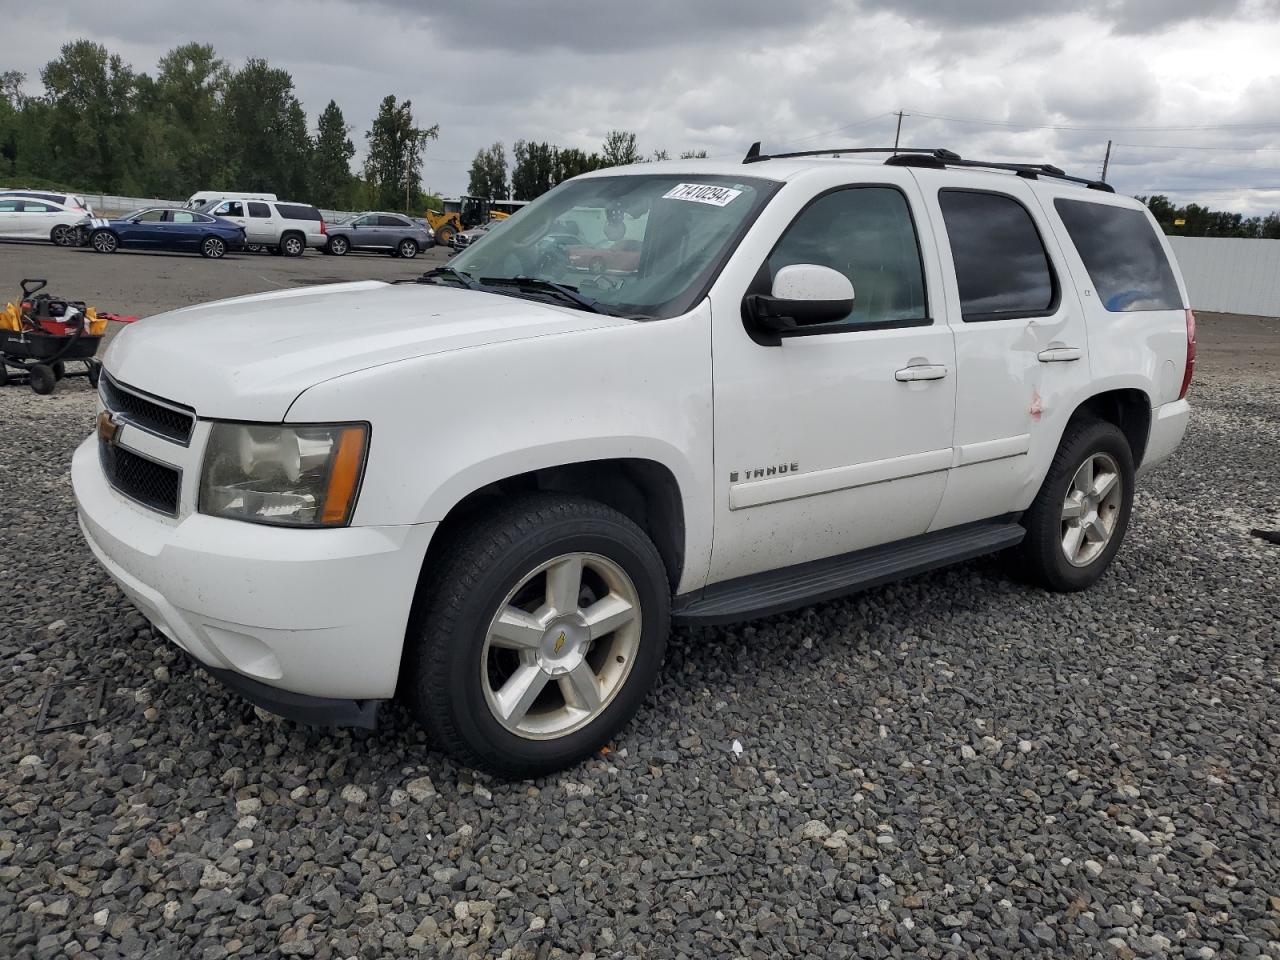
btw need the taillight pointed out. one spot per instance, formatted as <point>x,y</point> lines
<point>1191,353</point>
<point>323,229</point>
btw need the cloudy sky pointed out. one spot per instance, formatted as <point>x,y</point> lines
<point>1189,90</point>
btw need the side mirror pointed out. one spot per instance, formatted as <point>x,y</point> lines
<point>803,294</point>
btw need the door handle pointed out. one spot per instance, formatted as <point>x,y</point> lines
<point>923,371</point>
<point>1059,354</point>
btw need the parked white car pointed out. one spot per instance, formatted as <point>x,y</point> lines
<point>279,226</point>
<point>491,491</point>
<point>202,197</point>
<point>24,217</point>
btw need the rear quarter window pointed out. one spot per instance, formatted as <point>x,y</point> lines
<point>1123,255</point>
<point>297,211</point>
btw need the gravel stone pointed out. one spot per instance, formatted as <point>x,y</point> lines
<point>957,765</point>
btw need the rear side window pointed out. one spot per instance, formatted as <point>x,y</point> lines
<point>297,211</point>
<point>1122,254</point>
<point>257,209</point>
<point>1001,265</point>
<point>386,221</point>
<point>867,234</point>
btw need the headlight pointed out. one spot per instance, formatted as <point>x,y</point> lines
<point>296,476</point>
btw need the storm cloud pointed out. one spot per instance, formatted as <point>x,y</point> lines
<point>1186,89</point>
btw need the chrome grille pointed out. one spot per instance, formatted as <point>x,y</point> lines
<point>151,484</point>
<point>161,417</point>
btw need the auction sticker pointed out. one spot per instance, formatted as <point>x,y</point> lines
<point>702,193</point>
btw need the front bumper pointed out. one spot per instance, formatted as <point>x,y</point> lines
<point>317,613</point>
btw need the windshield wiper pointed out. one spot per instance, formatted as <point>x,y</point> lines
<point>465,279</point>
<point>538,285</point>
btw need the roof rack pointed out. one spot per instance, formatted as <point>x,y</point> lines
<point>936,158</point>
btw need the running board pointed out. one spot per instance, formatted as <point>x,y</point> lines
<point>777,591</point>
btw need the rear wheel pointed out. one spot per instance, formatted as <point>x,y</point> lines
<point>43,379</point>
<point>104,241</point>
<point>63,235</point>
<point>213,248</point>
<point>539,636</point>
<point>1078,520</point>
<point>338,246</point>
<point>293,245</point>
<point>59,369</point>
<point>407,249</point>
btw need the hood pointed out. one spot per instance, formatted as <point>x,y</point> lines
<point>248,358</point>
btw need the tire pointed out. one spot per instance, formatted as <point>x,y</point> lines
<point>444,236</point>
<point>1090,451</point>
<point>59,369</point>
<point>408,249</point>
<point>104,241</point>
<point>42,378</point>
<point>274,251</point>
<point>63,236</point>
<point>4,373</point>
<point>292,245</point>
<point>213,248</point>
<point>338,246</point>
<point>454,679</point>
<point>95,371</point>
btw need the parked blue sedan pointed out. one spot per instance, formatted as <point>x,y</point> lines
<point>165,228</point>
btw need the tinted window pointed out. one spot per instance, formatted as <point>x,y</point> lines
<point>259,209</point>
<point>1001,266</point>
<point>867,234</point>
<point>9,206</point>
<point>1122,254</point>
<point>150,216</point>
<point>297,211</point>
<point>393,221</point>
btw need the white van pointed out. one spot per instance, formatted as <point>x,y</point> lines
<point>201,197</point>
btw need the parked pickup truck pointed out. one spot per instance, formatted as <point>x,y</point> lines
<point>489,491</point>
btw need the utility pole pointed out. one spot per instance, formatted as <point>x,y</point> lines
<point>1106,161</point>
<point>897,133</point>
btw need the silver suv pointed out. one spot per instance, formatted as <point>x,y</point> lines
<point>278,226</point>
<point>390,233</point>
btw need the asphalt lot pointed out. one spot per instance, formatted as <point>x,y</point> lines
<point>953,766</point>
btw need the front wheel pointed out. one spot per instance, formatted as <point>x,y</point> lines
<point>63,235</point>
<point>1078,520</point>
<point>338,246</point>
<point>539,636</point>
<point>444,236</point>
<point>104,241</point>
<point>213,248</point>
<point>407,249</point>
<point>293,246</point>
<point>42,378</point>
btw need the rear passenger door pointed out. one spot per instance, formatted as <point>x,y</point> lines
<point>260,226</point>
<point>182,232</point>
<point>10,217</point>
<point>1022,354</point>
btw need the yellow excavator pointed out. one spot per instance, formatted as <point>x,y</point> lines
<point>463,213</point>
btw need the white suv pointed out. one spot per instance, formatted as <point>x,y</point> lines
<point>491,490</point>
<point>279,226</point>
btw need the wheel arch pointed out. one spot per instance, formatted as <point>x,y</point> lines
<point>1129,408</point>
<point>644,490</point>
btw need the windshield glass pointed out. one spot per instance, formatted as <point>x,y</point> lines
<point>637,245</point>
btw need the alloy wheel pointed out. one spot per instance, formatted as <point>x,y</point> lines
<point>1091,509</point>
<point>561,646</point>
<point>104,242</point>
<point>214,248</point>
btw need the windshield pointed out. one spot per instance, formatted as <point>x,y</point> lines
<point>637,245</point>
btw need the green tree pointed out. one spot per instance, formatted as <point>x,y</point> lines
<point>570,161</point>
<point>489,173</point>
<point>393,167</point>
<point>619,147</point>
<point>332,150</point>
<point>90,126</point>
<point>264,132</point>
<point>535,169</point>
<point>179,114</point>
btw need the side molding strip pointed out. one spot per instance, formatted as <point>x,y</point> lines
<point>754,493</point>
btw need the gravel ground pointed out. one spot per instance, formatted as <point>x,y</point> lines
<point>953,766</point>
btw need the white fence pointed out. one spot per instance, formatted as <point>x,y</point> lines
<point>1231,275</point>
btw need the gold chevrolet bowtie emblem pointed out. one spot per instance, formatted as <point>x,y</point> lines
<point>108,428</point>
<point>560,641</point>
